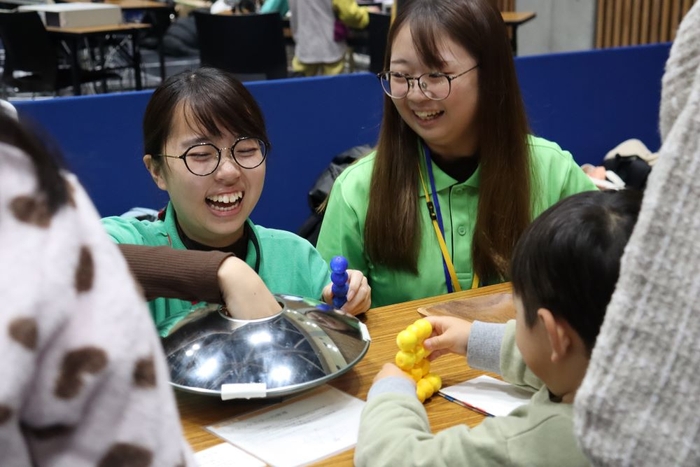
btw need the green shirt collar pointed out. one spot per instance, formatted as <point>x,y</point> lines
<point>176,242</point>
<point>442,180</point>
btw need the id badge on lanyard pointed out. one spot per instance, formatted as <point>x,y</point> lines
<point>436,218</point>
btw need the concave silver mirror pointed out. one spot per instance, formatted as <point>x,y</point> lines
<point>307,344</point>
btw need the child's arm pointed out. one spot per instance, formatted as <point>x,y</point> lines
<point>488,346</point>
<point>449,335</point>
<point>394,430</point>
<point>512,365</point>
<point>480,342</point>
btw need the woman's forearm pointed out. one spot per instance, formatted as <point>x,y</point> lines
<point>169,273</point>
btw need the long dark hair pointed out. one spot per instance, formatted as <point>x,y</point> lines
<point>504,208</point>
<point>568,259</point>
<point>47,163</point>
<point>214,98</point>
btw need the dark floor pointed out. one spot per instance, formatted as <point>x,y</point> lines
<point>150,73</point>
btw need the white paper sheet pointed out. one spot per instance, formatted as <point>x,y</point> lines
<point>226,455</point>
<point>488,395</point>
<point>299,431</point>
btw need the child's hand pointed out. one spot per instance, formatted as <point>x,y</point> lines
<point>389,370</point>
<point>450,335</point>
<point>359,296</point>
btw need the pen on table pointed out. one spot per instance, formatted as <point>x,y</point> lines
<point>464,404</point>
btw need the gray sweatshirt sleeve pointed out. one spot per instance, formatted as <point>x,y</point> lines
<point>394,385</point>
<point>484,348</point>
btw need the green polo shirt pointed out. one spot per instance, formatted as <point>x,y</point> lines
<point>555,176</point>
<point>288,263</point>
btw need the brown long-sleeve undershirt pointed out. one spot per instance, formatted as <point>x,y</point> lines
<point>169,273</point>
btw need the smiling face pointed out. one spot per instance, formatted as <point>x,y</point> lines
<point>211,210</point>
<point>448,126</point>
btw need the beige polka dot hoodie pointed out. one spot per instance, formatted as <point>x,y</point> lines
<point>83,380</point>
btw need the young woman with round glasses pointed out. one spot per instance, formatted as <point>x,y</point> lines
<point>456,176</point>
<point>210,121</point>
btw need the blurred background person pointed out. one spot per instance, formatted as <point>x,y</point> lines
<point>320,29</point>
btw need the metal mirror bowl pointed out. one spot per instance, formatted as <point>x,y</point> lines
<point>307,344</point>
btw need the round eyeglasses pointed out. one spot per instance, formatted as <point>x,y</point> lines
<point>434,85</point>
<point>204,158</point>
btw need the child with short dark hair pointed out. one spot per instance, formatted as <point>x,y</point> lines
<point>564,270</point>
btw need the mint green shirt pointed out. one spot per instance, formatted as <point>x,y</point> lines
<point>275,6</point>
<point>555,176</point>
<point>288,263</point>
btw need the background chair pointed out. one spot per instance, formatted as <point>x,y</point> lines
<point>377,32</point>
<point>242,44</point>
<point>31,57</point>
<point>160,20</point>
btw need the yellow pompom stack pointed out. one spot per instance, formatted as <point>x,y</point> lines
<point>411,358</point>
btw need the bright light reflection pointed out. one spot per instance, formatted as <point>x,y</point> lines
<point>280,374</point>
<point>207,369</point>
<point>196,347</point>
<point>262,337</point>
<point>189,352</point>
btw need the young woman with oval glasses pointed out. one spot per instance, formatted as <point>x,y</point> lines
<point>210,122</point>
<point>456,176</point>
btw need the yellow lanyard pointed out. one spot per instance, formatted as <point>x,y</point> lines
<point>441,239</point>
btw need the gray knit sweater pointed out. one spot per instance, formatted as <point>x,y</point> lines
<point>638,404</point>
<point>83,378</point>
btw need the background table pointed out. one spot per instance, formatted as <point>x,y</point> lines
<point>129,4</point>
<point>73,36</point>
<point>197,412</point>
<point>513,19</point>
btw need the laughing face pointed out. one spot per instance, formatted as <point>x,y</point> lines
<point>448,126</point>
<point>212,209</point>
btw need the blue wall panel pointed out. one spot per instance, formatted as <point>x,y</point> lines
<point>309,121</point>
<point>588,102</point>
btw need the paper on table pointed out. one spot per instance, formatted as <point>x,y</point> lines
<point>299,431</point>
<point>489,395</point>
<point>226,455</point>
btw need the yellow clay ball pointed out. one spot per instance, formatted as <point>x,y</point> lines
<point>425,386</point>
<point>421,395</point>
<point>406,340</point>
<point>424,328</point>
<point>416,374</point>
<point>434,380</point>
<point>424,367</point>
<point>405,360</point>
<point>421,353</point>
<point>413,329</point>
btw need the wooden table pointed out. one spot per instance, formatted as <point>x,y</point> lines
<point>197,412</point>
<point>73,36</point>
<point>513,19</point>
